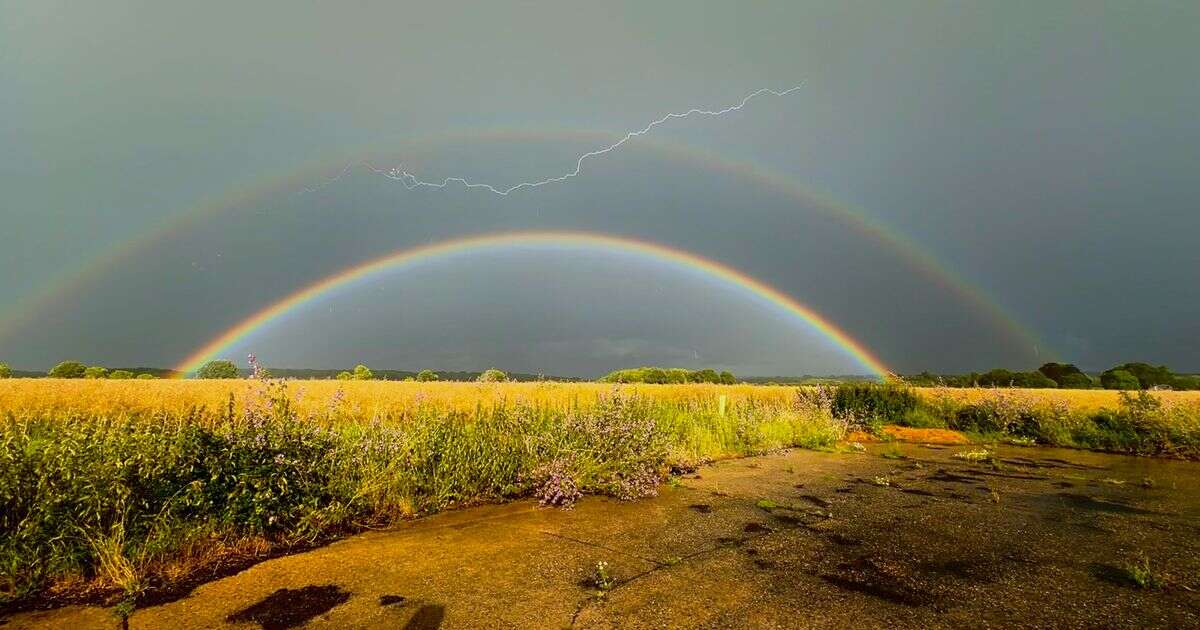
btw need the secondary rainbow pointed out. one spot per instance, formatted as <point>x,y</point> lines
<point>232,336</point>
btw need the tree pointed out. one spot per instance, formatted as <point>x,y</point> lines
<point>1119,379</point>
<point>95,371</point>
<point>1076,381</point>
<point>1149,376</point>
<point>146,377</point>
<point>492,375</point>
<point>218,368</point>
<point>68,369</point>
<point>120,375</point>
<point>363,373</point>
<point>344,376</point>
<point>5,371</point>
<point>1060,372</point>
<point>728,378</point>
<point>425,376</point>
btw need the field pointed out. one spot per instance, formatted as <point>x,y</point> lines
<point>370,398</point>
<point>122,488</point>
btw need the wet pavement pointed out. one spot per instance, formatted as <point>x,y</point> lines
<point>898,536</point>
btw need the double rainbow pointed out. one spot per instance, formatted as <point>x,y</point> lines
<point>506,240</point>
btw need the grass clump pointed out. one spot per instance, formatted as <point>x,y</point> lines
<point>1139,574</point>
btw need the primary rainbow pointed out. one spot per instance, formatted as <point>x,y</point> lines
<point>476,243</point>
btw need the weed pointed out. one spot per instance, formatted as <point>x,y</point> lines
<point>981,455</point>
<point>1138,573</point>
<point>601,578</point>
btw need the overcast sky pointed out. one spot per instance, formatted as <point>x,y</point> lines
<point>1043,153</point>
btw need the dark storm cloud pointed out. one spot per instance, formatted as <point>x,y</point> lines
<point>1044,151</point>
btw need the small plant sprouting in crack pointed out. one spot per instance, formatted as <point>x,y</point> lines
<point>601,578</point>
<point>1139,574</point>
<point>982,455</point>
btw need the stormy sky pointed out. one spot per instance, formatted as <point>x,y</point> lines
<point>1032,168</point>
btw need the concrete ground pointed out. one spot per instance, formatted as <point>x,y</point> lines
<point>904,536</point>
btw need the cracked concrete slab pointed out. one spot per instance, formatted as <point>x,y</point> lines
<point>796,539</point>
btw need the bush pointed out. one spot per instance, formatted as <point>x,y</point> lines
<point>426,376</point>
<point>218,368</point>
<point>5,371</point>
<point>68,369</point>
<point>922,418</point>
<point>1119,379</point>
<point>95,371</point>
<point>360,373</point>
<point>146,377</point>
<point>873,402</point>
<point>120,375</point>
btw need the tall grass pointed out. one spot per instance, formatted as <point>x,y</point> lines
<point>127,500</point>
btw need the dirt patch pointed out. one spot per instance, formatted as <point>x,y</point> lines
<point>701,508</point>
<point>756,528</point>
<point>288,608</point>
<point>926,436</point>
<point>874,577</point>
<point>391,600</point>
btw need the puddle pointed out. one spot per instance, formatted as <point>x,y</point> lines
<point>815,500</point>
<point>1085,502</point>
<point>288,608</point>
<point>867,576</point>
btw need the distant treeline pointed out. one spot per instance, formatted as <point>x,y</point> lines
<point>1127,376</point>
<point>663,376</point>
<point>404,375</point>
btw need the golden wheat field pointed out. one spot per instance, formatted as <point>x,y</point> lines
<point>367,398</point>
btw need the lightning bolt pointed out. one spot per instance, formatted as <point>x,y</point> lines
<point>411,181</point>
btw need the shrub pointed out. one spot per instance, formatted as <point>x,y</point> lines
<point>120,375</point>
<point>95,371</point>
<point>922,418</point>
<point>68,369</point>
<point>425,376</point>
<point>5,371</point>
<point>218,368</point>
<point>146,377</point>
<point>873,403</point>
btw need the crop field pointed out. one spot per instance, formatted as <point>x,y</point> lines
<point>371,398</point>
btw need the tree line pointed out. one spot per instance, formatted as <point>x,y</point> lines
<point>1127,376</point>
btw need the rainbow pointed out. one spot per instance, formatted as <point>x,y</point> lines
<point>74,281</point>
<point>479,243</point>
